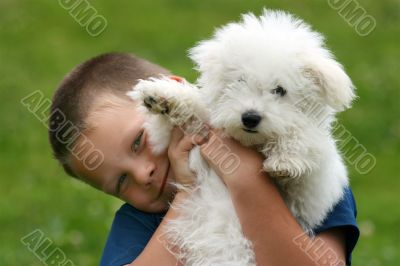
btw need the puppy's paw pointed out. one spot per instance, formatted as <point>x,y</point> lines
<point>157,104</point>
<point>285,168</point>
<point>178,101</point>
<point>155,94</point>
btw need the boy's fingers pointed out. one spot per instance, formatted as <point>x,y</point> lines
<point>200,138</point>
<point>177,135</point>
<point>186,144</point>
<point>180,142</point>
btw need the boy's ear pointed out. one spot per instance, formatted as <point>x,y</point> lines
<point>335,85</point>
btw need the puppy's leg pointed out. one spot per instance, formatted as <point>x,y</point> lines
<point>179,102</point>
<point>289,156</point>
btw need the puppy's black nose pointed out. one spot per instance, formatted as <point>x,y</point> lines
<point>251,119</point>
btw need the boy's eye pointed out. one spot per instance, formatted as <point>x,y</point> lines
<point>121,180</point>
<point>136,143</point>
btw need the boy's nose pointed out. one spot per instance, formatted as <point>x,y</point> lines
<point>144,174</point>
<point>148,178</point>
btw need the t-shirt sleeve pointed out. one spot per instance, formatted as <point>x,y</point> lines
<point>344,215</point>
<point>130,232</point>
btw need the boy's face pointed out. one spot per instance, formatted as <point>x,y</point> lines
<point>130,171</point>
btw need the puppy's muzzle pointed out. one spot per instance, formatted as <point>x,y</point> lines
<point>251,119</point>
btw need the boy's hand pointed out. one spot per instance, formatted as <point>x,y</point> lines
<point>178,153</point>
<point>233,162</point>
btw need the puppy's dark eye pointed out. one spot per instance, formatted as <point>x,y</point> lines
<point>279,90</point>
<point>241,79</point>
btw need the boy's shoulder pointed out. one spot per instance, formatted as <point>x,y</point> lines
<point>343,215</point>
<point>127,209</point>
<point>130,232</point>
<point>128,216</point>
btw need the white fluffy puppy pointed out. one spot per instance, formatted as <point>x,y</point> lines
<point>271,83</point>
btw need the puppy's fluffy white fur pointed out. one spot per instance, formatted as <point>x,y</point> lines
<point>277,67</point>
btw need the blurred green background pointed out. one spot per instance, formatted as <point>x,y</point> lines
<point>40,42</point>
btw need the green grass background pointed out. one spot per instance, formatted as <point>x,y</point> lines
<point>40,42</point>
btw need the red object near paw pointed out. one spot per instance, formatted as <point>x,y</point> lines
<point>177,78</point>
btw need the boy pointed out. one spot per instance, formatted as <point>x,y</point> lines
<point>93,98</point>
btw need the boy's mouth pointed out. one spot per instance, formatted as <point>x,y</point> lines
<point>164,181</point>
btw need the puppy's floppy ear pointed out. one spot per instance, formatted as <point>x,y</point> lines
<point>335,85</point>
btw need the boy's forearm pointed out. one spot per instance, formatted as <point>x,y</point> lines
<point>268,223</point>
<point>155,252</point>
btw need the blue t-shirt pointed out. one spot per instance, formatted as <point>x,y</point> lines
<point>132,229</point>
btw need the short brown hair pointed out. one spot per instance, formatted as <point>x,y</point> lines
<point>112,74</point>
